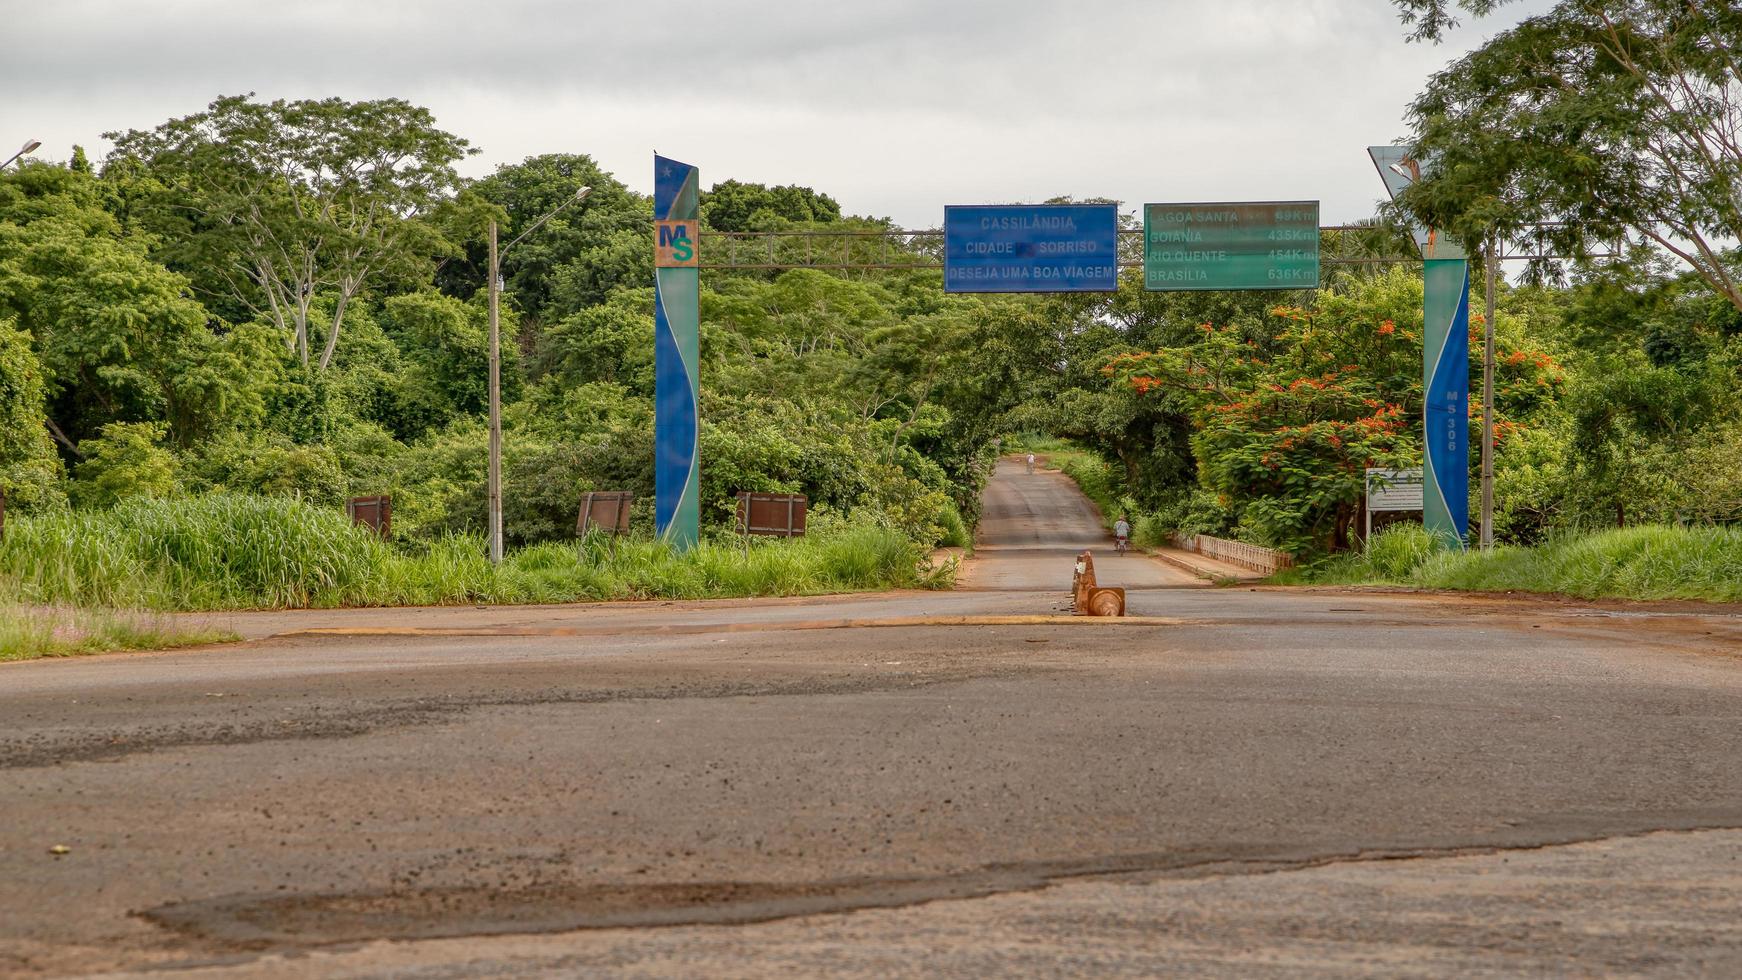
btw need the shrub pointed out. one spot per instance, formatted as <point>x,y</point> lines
<point>1151,531</point>
<point>30,472</point>
<point>273,465</point>
<point>125,460</point>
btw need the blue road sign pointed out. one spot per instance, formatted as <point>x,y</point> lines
<point>1031,248</point>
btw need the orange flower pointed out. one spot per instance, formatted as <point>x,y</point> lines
<point>1387,328</point>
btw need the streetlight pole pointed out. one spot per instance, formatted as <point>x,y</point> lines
<point>495,401</point>
<point>29,145</point>
<point>495,488</point>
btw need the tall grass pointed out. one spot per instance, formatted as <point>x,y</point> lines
<point>30,632</point>
<point>956,533</point>
<point>1647,562</point>
<point>244,552</point>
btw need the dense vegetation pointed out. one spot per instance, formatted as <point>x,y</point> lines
<point>1617,403</point>
<point>244,316</point>
<point>171,353</point>
<point>1598,126</point>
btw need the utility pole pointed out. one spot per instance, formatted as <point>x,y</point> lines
<point>495,401</point>
<point>1493,271</point>
<point>495,488</point>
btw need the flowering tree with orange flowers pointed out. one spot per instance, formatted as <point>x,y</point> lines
<point>1285,427</point>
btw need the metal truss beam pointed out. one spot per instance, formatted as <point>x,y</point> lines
<point>921,250</point>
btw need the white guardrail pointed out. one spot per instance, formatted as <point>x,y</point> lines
<point>1259,559</point>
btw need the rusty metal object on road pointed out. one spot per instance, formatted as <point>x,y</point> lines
<point>1089,598</point>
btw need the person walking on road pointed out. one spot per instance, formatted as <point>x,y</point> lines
<point>1030,464</point>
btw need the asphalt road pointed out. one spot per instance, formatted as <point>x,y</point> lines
<point>1031,524</point>
<point>1234,782</point>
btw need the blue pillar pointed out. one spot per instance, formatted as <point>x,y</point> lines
<point>676,352</point>
<point>1446,390</point>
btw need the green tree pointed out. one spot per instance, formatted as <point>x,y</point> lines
<point>30,472</point>
<point>733,205</point>
<point>1429,20</point>
<point>271,205</point>
<point>577,257</point>
<point>125,460</point>
<point>445,349</point>
<point>1284,423</point>
<point>612,342</point>
<point>115,331</point>
<point>1598,120</point>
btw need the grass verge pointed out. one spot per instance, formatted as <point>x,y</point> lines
<point>1648,562</point>
<point>27,633</point>
<point>242,552</point>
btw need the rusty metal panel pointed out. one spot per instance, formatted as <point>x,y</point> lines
<point>605,510</point>
<point>375,513</point>
<point>777,514</point>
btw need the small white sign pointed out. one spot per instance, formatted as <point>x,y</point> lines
<point>1394,489</point>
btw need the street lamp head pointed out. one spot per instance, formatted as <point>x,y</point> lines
<point>30,145</point>
<point>1402,171</point>
<point>581,195</point>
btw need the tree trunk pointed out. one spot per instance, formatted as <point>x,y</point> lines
<point>333,332</point>
<point>61,437</point>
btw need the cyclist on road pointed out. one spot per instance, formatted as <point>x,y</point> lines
<point>1121,534</point>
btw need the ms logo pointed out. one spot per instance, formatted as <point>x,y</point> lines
<point>675,246</point>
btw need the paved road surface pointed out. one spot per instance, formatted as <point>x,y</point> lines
<point>1239,783</point>
<point>1032,526</point>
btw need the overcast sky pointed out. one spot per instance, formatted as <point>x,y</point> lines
<point>895,107</point>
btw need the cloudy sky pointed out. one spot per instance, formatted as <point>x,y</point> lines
<point>896,107</point>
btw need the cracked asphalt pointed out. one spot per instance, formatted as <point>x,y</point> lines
<point>1248,783</point>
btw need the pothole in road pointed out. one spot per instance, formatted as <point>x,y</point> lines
<point>253,922</point>
<point>260,923</point>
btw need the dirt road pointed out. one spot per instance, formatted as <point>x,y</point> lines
<point>1239,783</point>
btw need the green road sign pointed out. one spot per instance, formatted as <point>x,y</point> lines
<point>1268,245</point>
